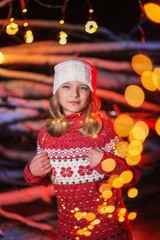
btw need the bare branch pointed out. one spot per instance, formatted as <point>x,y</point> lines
<point>17,217</point>
<point>119,98</point>
<point>3,3</point>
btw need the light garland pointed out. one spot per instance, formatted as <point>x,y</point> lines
<point>90,26</point>
<point>28,36</point>
<point>12,28</point>
<point>62,38</point>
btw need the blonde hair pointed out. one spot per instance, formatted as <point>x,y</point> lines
<point>59,124</point>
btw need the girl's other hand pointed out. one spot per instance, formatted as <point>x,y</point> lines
<point>40,165</point>
<point>94,156</point>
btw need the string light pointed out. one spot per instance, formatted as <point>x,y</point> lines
<point>62,38</point>
<point>61,21</point>
<point>12,28</point>
<point>24,10</point>
<point>28,36</point>
<point>90,26</point>
<point>25,24</point>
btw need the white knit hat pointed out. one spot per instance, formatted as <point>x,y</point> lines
<point>75,70</point>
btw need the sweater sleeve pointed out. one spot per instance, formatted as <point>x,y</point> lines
<point>110,152</point>
<point>28,176</point>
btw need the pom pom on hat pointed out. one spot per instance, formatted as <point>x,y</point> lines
<point>75,70</point>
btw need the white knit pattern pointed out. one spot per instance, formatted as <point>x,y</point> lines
<point>73,171</point>
<point>76,152</point>
<point>74,70</point>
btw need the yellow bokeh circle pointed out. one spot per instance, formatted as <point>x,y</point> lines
<point>140,130</point>
<point>107,194</point>
<point>157,80</point>
<point>108,164</point>
<point>141,63</point>
<point>132,215</point>
<point>135,148</point>
<point>126,176</point>
<point>148,80</point>
<point>152,10</point>
<point>133,160</point>
<point>90,216</point>
<point>123,125</point>
<point>122,149</point>
<point>104,187</point>
<point>157,126</point>
<point>134,95</point>
<point>132,192</point>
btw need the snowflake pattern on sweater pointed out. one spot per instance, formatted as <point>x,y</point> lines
<point>76,183</point>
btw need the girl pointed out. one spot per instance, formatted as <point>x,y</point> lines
<point>71,151</point>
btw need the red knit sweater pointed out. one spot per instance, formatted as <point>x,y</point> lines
<point>76,183</point>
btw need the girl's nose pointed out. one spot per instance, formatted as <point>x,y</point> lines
<point>75,93</point>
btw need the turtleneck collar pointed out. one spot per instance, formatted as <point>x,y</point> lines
<point>74,115</point>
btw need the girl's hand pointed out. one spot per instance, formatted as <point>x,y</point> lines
<point>40,165</point>
<point>94,156</point>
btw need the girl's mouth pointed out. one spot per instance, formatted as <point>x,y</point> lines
<point>74,102</point>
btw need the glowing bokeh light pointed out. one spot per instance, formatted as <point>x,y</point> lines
<point>132,215</point>
<point>148,80</point>
<point>61,21</point>
<point>152,11</point>
<point>102,209</point>
<point>62,38</point>
<point>140,130</point>
<point>141,63</point>
<point>126,176</point>
<point>122,149</point>
<point>135,148</point>
<point>108,164</point>
<point>123,125</point>
<point>157,80</point>
<point>2,59</point>
<point>80,232</point>
<point>28,36</point>
<point>107,194</point>
<point>25,24</point>
<point>116,183</point>
<point>78,215</point>
<point>91,10</point>
<point>90,227</point>
<point>87,233</point>
<point>121,219</point>
<point>133,160</point>
<point>112,177</point>
<point>104,187</point>
<point>12,28</point>
<point>84,214</point>
<point>134,95</point>
<point>90,216</point>
<point>95,222</point>
<point>157,126</point>
<point>122,212</point>
<point>91,27</point>
<point>110,209</point>
<point>132,192</point>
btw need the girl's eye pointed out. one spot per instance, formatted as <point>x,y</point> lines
<point>84,88</point>
<point>65,86</point>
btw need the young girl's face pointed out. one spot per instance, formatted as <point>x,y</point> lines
<point>73,97</point>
